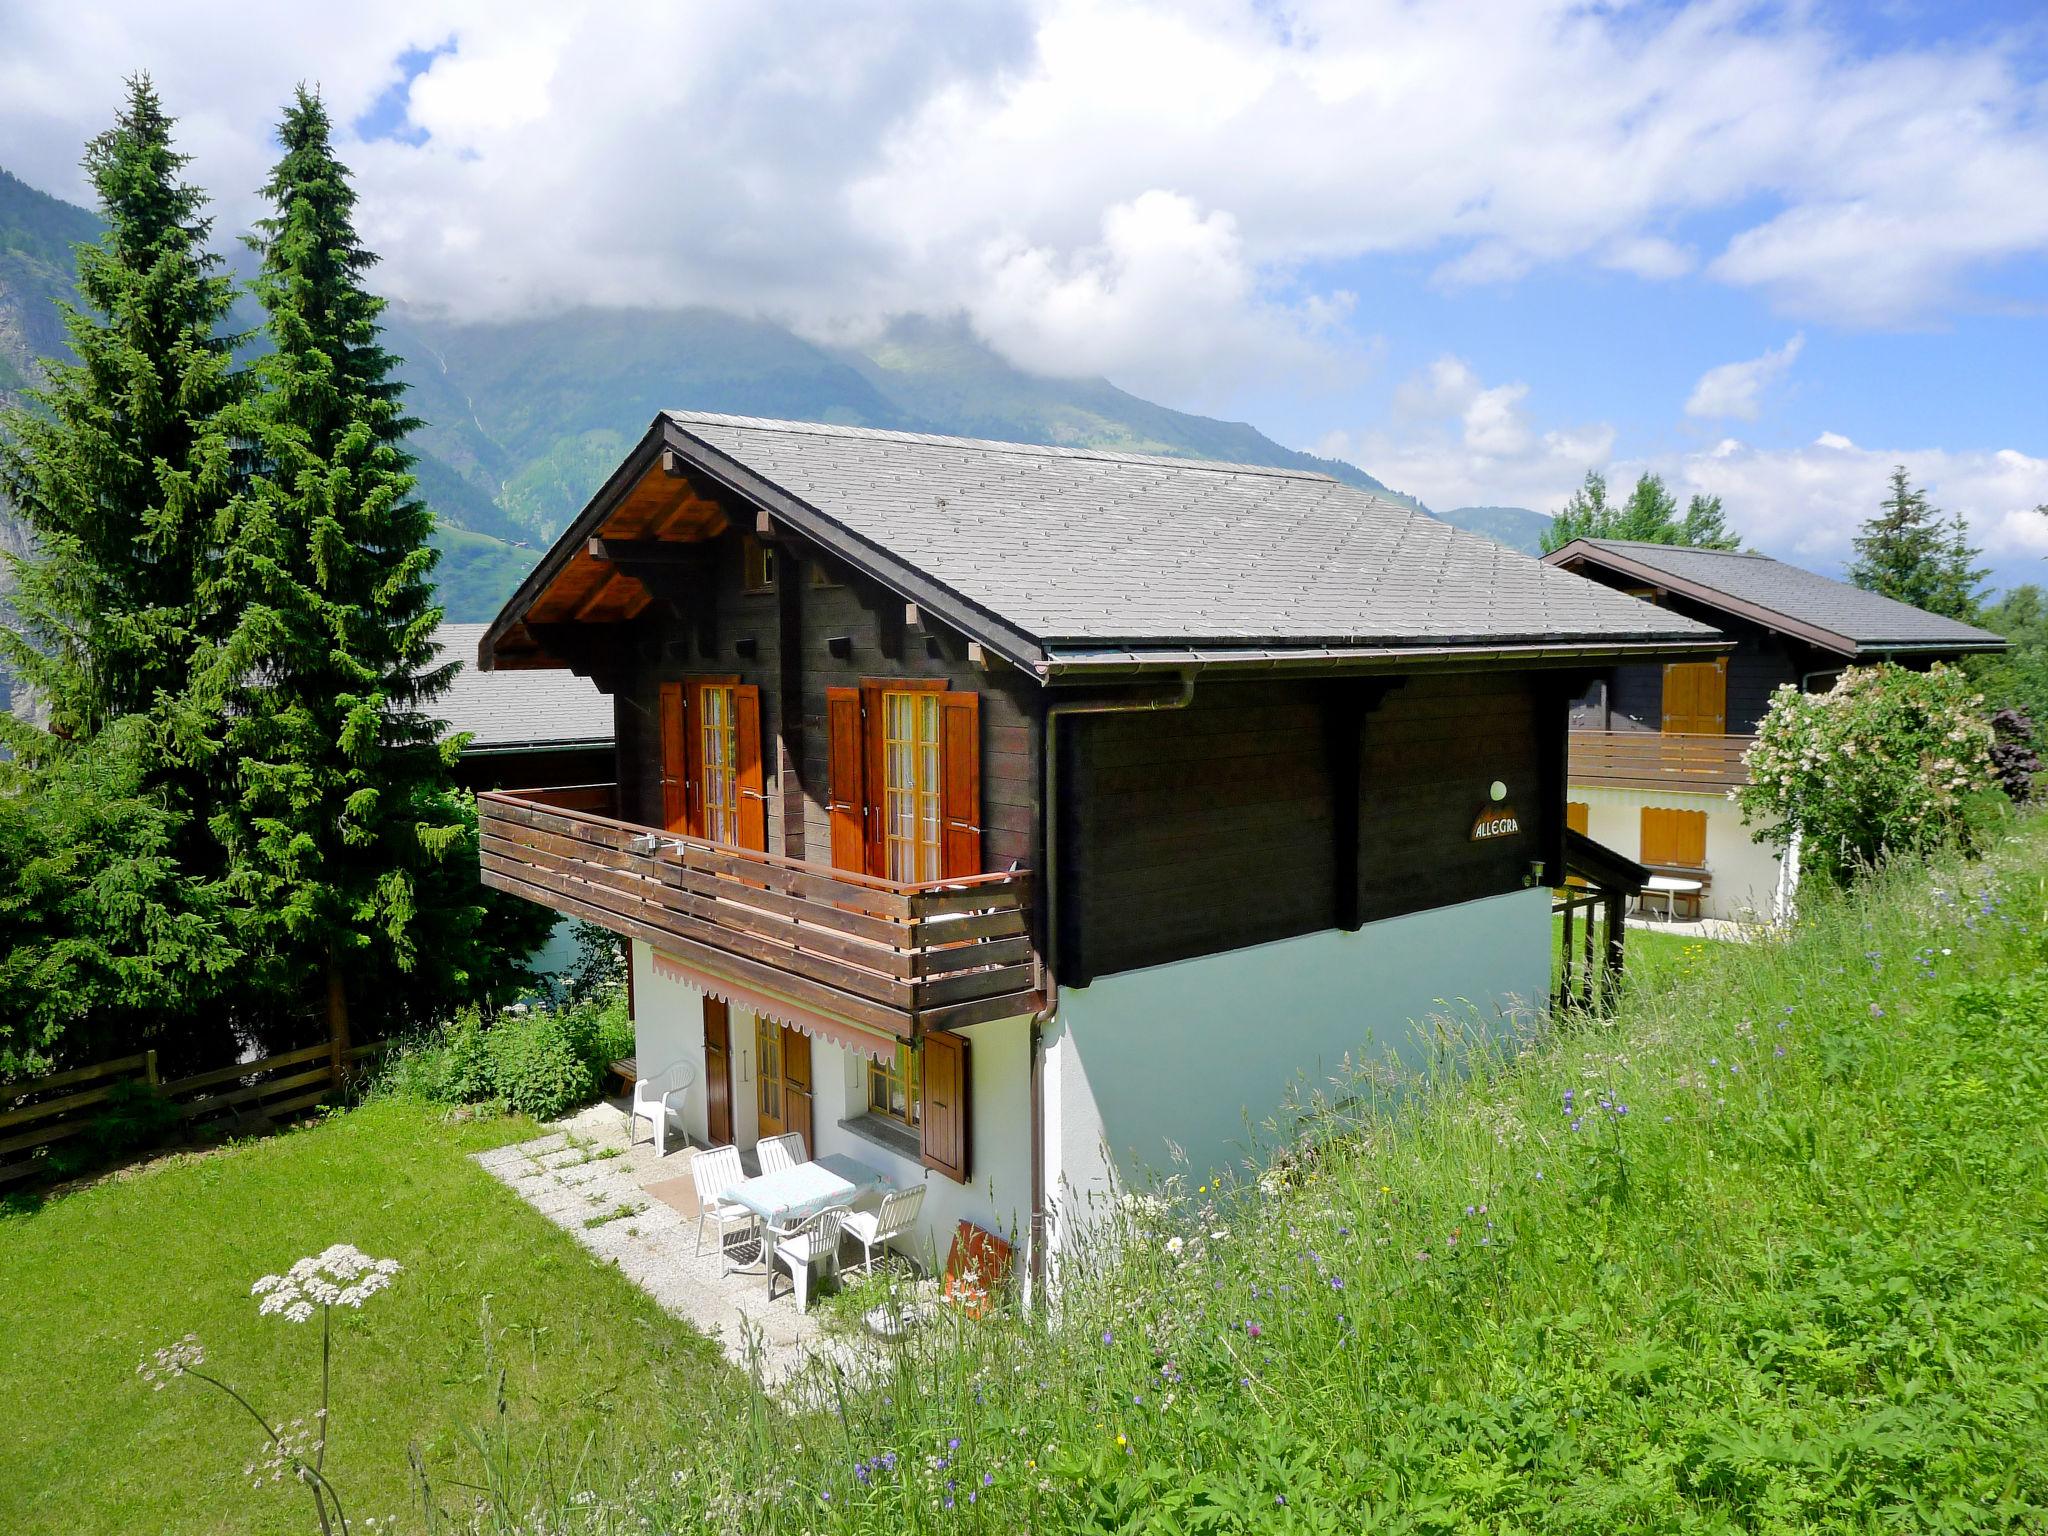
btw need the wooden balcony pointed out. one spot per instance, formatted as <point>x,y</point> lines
<point>888,956</point>
<point>1652,760</point>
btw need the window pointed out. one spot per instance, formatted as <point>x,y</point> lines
<point>892,1086</point>
<point>910,784</point>
<point>768,1075</point>
<point>760,565</point>
<point>720,748</point>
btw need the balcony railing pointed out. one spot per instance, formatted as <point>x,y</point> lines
<point>890,956</point>
<point>1653,760</point>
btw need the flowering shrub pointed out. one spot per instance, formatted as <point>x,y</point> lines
<point>1884,762</point>
<point>339,1276</point>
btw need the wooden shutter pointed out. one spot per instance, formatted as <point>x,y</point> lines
<point>874,748</point>
<point>1674,838</point>
<point>844,793</point>
<point>943,1116</point>
<point>960,784</point>
<point>675,733</point>
<point>717,1072</point>
<point>1578,815</point>
<point>796,1086</point>
<point>1696,697</point>
<point>749,779</point>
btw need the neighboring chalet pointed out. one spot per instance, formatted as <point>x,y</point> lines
<point>527,730</point>
<point>1018,815</point>
<point>1655,748</point>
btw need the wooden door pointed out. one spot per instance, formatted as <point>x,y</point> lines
<point>1696,697</point>
<point>783,1081</point>
<point>771,1102</point>
<point>717,1072</point>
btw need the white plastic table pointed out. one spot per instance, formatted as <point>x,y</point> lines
<point>784,1198</point>
<point>1671,887</point>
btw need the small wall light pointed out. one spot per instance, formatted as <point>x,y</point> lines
<point>1499,791</point>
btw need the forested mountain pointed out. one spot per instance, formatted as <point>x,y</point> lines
<point>526,417</point>
<point>1516,527</point>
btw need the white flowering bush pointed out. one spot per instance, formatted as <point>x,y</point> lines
<point>1887,761</point>
<point>296,1450</point>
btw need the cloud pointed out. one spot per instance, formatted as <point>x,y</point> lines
<point>1089,181</point>
<point>1455,440</point>
<point>1733,388</point>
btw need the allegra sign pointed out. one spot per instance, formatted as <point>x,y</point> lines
<point>1496,821</point>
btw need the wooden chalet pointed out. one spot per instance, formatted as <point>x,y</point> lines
<point>1655,748</point>
<point>1017,815</point>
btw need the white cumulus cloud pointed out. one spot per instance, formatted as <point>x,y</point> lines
<point>1736,389</point>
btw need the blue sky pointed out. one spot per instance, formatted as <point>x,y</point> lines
<point>1763,249</point>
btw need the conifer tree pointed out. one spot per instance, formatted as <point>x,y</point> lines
<point>1906,552</point>
<point>121,463</point>
<point>352,859</point>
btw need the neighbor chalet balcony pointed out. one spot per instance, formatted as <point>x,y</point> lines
<point>893,957</point>
<point>1655,760</point>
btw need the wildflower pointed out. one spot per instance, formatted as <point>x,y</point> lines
<point>171,1361</point>
<point>1876,1012</point>
<point>1174,1245</point>
<point>341,1276</point>
<point>1120,1440</point>
<point>1252,1329</point>
<point>1336,1282</point>
<point>1106,1337</point>
<point>953,1444</point>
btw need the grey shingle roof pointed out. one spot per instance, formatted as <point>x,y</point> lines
<point>517,709</point>
<point>1095,552</point>
<point>1867,620</point>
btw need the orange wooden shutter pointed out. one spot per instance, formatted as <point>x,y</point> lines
<point>750,781</point>
<point>1711,706</point>
<point>943,1117</point>
<point>874,749</point>
<point>1674,838</point>
<point>717,1072</point>
<point>1578,815</point>
<point>845,795</point>
<point>960,784</point>
<point>1696,697</point>
<point>1680,688</point>
<point>674,758</point>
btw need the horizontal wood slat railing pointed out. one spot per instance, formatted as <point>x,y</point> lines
<point>892,956</point>
<point>35,1114</point>
<point>1654,760</point>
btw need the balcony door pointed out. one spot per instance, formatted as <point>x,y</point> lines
<point>905,791</point>
<point>1696,698</point>
<point>712,782</point>
<point>782,1079</point>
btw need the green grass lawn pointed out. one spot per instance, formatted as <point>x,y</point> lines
<point>491,1292</point>
<point>1652,958</point>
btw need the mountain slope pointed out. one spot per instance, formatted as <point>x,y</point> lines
<point>1516,527</point>
<point>525,418</point>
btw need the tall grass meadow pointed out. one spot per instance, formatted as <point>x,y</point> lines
<point>1760,1251</point>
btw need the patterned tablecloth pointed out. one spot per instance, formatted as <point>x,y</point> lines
<point>783,1198</point>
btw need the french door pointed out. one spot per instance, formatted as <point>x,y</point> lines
<point>782,1080</point>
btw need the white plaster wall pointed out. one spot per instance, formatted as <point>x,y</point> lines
<point>1744,869</point>
<point>669,1026</point>
<point>1196,1053</point>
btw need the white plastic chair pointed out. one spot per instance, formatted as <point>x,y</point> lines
<point>802,1244</point>
<point>892,1218</point>
<point>715,1172</point>
<point>778,1154</point>
<point>655,1098</point>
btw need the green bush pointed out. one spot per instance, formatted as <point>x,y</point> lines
<point>537,1061</point>
<point>1886,762</point>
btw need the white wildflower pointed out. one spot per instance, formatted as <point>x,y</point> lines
<point>172,1361</point>
<point>342,1276</point>
<point>1174,1245</point>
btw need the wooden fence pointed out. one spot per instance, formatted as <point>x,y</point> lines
<point>40,1112</point>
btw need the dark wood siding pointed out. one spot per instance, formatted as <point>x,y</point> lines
<point>1202,830</point>
<point>535,770</point>
<point>747,638</point>
<point>1188,832</point>
<point>1432,752</point>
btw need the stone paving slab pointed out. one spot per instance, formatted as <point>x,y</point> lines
<point>585,1169</point>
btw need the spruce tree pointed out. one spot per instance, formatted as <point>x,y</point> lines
<point>122,463</point>
<point>352,858</point>
<point>1907,552</point>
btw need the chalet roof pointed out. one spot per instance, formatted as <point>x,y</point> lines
<point>1829,613</point>
<point>1074,561</point>
<point>510,710</point>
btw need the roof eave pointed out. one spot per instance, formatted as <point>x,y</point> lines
<point>1711,597</point>
<point>1093,664</point>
